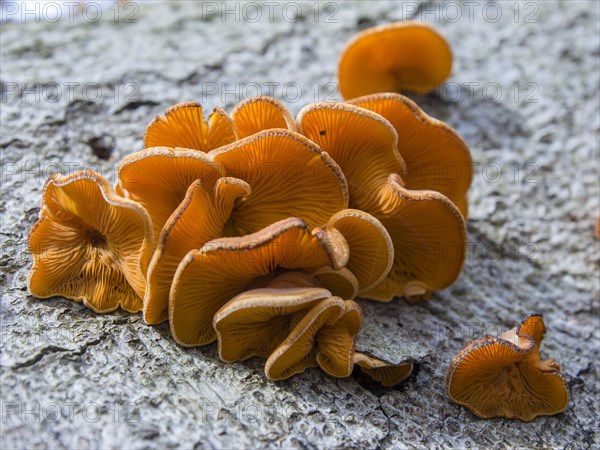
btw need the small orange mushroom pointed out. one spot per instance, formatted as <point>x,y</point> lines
<point>396,57</point>
<point>384,372</point>
<point>89,244</point>
<point>261,113</point>
<point>436,157</point>
<point>430,242</point>
<point>208,278</point>
<point>298,352</point>
<point>255,322</point>
<point>371,247</point>
<point>335,342</point>
<point>184,126</point>
<point>505,376</point>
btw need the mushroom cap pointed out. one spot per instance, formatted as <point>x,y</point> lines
<point>384,372</point>
<point>396,57</point>
<point>89,244</point>
<point>436,157</point>
<point>298,351</point>
<point>184,126</point>
<point>429,237</point>
<point>363,143</point>
<point>336,341</point>
<point>255,322</point>
<point>261,113</point>
<point>371,247</point>
<point>341,282</point>
<point>198,219</point>
<point>223,268</point>
<point>158,178</point>
<point>289,176</point>
<point>504,376</point>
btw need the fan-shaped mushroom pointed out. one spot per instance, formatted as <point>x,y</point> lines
<point>90,244</point>
<point>255,322</point>
<point>184,126</point>
<point>223,268</point>
<point>436,157</point>
<point>505,377</point>
<point>289,176</point>
<point>429,237</point>
<point>396,57</point>
<point>158,178</point>
<point>298,352</point>
<point>261,113</point>
<point>427,230</point>
<point>371,247</point>
<point>363,143</point>
<point>198,219</point>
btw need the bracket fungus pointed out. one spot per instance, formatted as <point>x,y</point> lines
<point>184,126</point>
<point>396,57</point>
<point>89,244</point>
<point>505,376</point>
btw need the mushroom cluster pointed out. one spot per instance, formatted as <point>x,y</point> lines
<point>257,230</point>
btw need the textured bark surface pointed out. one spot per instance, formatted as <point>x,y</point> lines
<point>74,379</point>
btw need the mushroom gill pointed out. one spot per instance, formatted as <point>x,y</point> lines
<point>89,244</point>
<point>158,178</point>
<point>209,277</point>
<point>436,157</point>
<point>184,126</point>
<point>289,176</point>
<point>505,376</point>
<point>261,113</point>
<point>363,143</point>
<point>198,219</point>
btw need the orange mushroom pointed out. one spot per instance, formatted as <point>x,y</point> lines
<point>427,230</point>
<point>384,372</point>
<point>505,376</point>
<point>198,219</point>
<point>371,247</point>
<point>89,244</point>
<point>261,113</point>
<point>208,278</point>
<point>396,57</point>
<point>298,352</point>
<point>335,342</point>
<point>289,176</point>
<point>255,322</point>
<point>436,157</point>
<point>184,126</point>
<point>430,242</point>
<point>363,143</point>
<point>158,178</point>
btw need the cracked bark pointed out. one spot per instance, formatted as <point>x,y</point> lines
<point>54,351</point>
